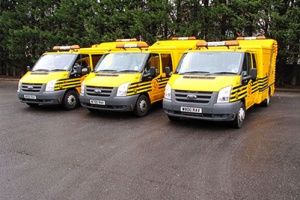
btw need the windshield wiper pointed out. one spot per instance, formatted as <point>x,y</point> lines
<point>224,73</point>
<point>41,70</point>
<point>58,70</point>
<point>128,70</point>
<point>106,70</point>
<point>195,72</point>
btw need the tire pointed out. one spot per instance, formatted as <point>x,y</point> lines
<point>266,102</point>
<point>142,106</point>
<point>33,105</point>
<point>240,116</point>
<point>173,119</point>
<point>70,100</point>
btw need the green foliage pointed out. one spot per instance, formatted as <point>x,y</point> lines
<point>30,27</point>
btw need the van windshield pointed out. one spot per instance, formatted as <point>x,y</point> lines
<point>122,62</point>
<point>210,62</point>
<point>55,62</point>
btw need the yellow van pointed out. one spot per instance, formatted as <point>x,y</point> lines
<point>133,77</point>
<point>56,77</point>
<point>221,80</point>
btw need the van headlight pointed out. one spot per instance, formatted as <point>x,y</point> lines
<point>224,95</point>
<point>122,90</point>
<point>50,86</point>
<point>19,86</point>
<point>168,91</point>
<point>82,90</point>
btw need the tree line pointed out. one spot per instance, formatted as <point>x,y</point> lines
<point>28,28</point>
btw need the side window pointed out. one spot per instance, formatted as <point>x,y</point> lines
<point>247,64</point>
<point>166,60</point>
<point>153,61</point>
<point>254,60</point>
<point>95,59</point>
<point>84,62</point>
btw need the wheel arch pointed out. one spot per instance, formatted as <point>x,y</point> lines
<point>140,105</point>
<point>70,89</point>
<point>64,101</point>
<point>150,101</point>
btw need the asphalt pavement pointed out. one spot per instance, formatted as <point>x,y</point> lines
<point>49,153</point>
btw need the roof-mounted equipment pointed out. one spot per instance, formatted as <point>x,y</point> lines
<point>135,45</point>
<point>184,38</point>
<point>252,38</point>
<point>126,40</point>
<point>66,48</point>
<point>217,44</point>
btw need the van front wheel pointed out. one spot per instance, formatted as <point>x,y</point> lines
<point>266,102</point>
<point>142,106</point>
<point>240,116</point>
<point>70,100</point>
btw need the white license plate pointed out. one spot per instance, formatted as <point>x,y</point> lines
<point>27,96</point>
<point>98,102</point>
<point>190,109</point>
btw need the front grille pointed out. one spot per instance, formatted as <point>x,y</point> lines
<point>105,107</point>
<point>37,100</point>
<point>192,96</point>
<point>27,87</point>
<point>99,91</point>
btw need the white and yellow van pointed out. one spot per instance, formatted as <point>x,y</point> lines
<point>133,77</point>
<point>221,80</point>
<point>56,77</point>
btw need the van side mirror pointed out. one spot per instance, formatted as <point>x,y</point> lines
<point>168,71</point>
<point>77,70</point>
<point>28,68</point>
<point>86,70</point>
<point>253,73</point>
<point>153,71</point>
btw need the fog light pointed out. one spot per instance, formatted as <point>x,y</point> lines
<point>131,107</point>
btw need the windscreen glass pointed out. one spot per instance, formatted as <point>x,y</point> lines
<point>122,62</point>
<point>55,62</point>
<point>210,62</point>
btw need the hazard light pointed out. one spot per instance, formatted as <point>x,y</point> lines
<point>252,38</point>
<point>66,48</point>
<point>215,44</point>
<point>138,45</point>
<point>126,40</point>
<point>184,38</point>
